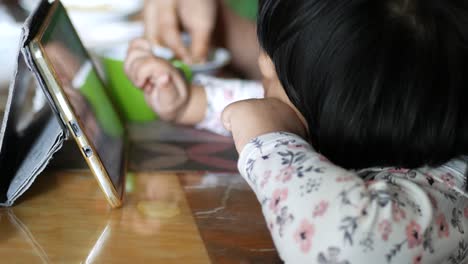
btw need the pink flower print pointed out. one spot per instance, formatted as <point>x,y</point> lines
<point>398,213</point>
<point>417,259</point>
<point>369,183</point>
<point>448,180</point>
<point>271,226</point>
<point>344,178</point>
<point>413,234</point>
<point>385,227</point>
<point>295,146</point>
<point>433,201</point>
<point>466,212</point>
<point>323,158</point>
<point>320,209</point>
<point>303,236</point>
<point>286,174</point>
<point>265,178</point>
<point>279,195</point>
<point>442,226</point>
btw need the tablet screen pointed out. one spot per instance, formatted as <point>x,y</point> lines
<point>76,74</point>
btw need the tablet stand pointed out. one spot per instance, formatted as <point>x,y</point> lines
<point>31,131</point>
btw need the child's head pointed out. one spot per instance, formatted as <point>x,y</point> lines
<point>378,82</point>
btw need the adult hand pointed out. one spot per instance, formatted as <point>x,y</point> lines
<point>252,118</point>
<point>163,19</point>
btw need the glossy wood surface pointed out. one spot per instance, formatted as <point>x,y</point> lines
<point>64,218</point>
<point>229,218</point>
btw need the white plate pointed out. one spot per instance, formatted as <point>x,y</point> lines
<point>84,12</point>
<point>217,59</point>
<point>98,40</point>
<point>97,37</point>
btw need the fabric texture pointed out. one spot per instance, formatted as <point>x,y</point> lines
<point>318,212</point>
<point>221,93</point>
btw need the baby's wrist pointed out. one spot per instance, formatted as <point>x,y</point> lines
<point>193,111</point>
<point>187,75</point>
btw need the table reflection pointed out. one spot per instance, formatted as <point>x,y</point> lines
<point>65,218</point>
<point>11,224</point>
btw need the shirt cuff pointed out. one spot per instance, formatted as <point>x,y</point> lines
<point>221,93</point>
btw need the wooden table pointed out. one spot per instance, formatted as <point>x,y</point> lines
<point>64,218</point>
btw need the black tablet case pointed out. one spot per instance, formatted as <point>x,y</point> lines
<point>25,153</point>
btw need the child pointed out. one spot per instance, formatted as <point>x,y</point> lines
<point>378,87</point>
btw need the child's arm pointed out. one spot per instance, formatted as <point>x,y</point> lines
<point>318,212</point>
<point>166,91</point>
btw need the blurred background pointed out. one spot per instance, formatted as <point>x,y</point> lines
<point>101,24</point>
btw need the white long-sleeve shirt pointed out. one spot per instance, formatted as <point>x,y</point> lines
<point>318,212</point>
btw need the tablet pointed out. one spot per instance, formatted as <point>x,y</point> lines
<point>79,96</point>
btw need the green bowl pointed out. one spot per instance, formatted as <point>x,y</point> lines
<point>129,99</point>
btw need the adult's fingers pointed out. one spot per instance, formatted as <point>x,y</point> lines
<point>199,19</point>
<point>173,39</point>
<point>162,26</point>
<point>167,28</point>
<point>201,40</point>
<point>159,16</point>
<point>150,19</point>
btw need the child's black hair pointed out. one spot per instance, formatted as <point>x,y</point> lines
<point>380,83</point>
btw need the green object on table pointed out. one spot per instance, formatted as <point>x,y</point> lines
<point>130,183</point>
<point>93,90</point>
<point>184,69</point>
<point>245,8</point>
<point>129,99</point>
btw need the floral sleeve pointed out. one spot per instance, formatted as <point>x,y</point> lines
<point>220,93</point>
<point>320,213</point>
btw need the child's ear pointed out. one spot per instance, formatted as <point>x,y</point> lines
<point>266,66</point>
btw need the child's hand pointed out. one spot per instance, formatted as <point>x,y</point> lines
<point>252,118</point>
<point>164,87</point>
